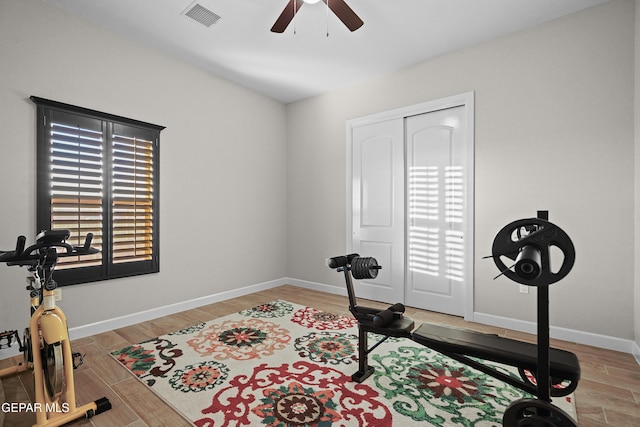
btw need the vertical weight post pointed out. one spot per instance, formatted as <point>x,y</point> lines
<point>543,376</point>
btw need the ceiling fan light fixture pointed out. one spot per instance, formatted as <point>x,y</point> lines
<point>311,1</point>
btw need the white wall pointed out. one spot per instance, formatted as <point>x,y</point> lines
<point>222,161</point>
<point>554,130</point>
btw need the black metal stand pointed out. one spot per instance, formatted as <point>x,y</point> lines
<point>543,374</point>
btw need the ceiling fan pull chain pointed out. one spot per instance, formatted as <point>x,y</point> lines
<point>295,8</point>
<point>327,17</point>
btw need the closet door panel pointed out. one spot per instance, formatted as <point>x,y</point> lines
<point>378,206</point>
<point>436,221</point>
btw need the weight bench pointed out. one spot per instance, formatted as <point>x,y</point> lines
<point>544,371</point>
<point>459,344</point>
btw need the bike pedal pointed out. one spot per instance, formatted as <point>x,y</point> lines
<point>6,338</point>
<point>78,359</point>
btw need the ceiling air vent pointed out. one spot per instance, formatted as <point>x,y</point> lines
<point>201,14</point>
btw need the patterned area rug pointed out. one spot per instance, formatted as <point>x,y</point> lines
<point>282,364</point>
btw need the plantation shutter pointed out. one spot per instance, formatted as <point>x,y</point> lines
<point>77,181</point>
<point>132,202</point>
<point>98,173</point>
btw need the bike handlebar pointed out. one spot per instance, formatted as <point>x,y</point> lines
<point>44,241</point>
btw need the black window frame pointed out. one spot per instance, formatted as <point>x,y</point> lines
<point>46,113</point>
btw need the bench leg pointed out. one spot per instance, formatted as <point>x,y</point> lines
<point>364,370</point>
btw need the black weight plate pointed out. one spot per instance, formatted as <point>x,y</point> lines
<point>535,413</point>
<point>544,236</point>
<point>364,268</point>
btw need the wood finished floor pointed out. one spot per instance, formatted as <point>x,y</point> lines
<point>607,395</point>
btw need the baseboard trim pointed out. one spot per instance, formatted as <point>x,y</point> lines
<point>315,286</point>
<point>564,334</point>
<point>636,352</point>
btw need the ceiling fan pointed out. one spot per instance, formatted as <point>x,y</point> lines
<point>339,7</point>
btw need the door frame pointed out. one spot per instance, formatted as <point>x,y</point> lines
<point>466,100</point>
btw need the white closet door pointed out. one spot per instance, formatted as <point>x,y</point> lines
<point>438,244</point>
<point>378,206</point>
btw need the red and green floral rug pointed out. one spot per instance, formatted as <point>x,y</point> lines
<point>283,364</point>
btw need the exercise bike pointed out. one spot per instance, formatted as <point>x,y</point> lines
<point>544,371</point>
<point>46,347</point>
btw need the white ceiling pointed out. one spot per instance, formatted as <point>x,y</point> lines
<point>292,66</point>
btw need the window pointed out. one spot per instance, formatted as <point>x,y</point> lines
<point>98,173</point>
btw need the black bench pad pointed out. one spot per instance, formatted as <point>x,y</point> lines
<point>399,328</point>
<point>564,365</point>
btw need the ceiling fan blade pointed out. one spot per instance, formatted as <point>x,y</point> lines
<point>345,14</point>
<point>286,16</point>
